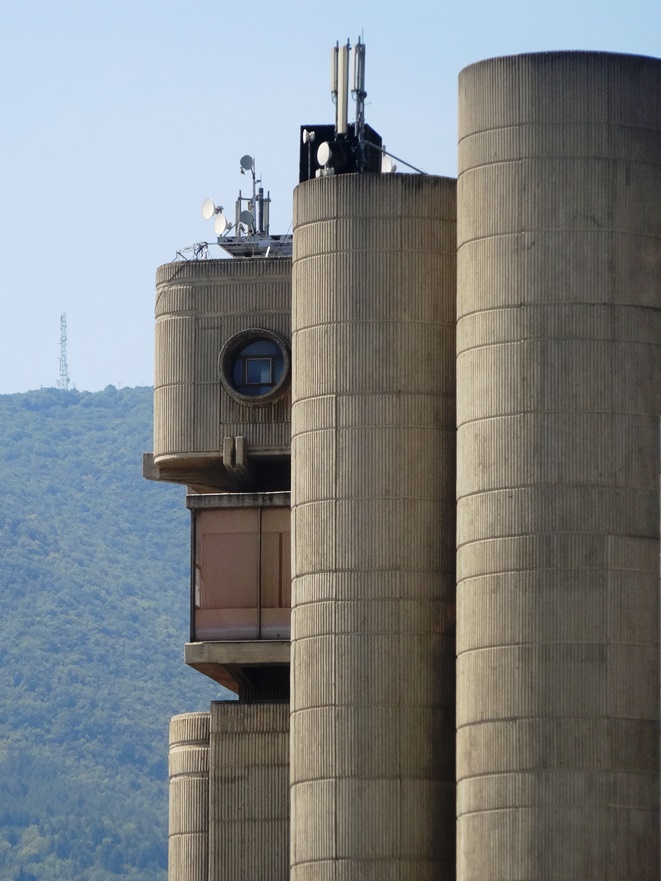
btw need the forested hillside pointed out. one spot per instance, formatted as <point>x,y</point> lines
<point>94,573</point>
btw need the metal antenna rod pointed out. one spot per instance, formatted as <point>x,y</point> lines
<point>359,93</point>
<point>64,379</point>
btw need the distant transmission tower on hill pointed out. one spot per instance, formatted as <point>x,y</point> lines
<point>64,380</point>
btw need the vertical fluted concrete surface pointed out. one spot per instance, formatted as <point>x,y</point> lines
<point>188,840</point>
<point>249,792</point>
<point>372,764</point>
<point>558,402</point>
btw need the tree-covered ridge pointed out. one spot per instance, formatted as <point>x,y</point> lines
<point>94,571</point>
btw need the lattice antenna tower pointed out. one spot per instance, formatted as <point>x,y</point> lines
<point>64,379</point>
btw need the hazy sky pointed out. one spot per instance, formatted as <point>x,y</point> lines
<point>118,118</point>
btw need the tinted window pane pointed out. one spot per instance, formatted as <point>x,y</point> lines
<point>259,371</point>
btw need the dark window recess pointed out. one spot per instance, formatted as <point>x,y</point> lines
<point>257,367</point>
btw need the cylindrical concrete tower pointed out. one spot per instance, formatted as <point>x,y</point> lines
<point>373,426</point>
<point>188,845</point>
<point>558,402</point>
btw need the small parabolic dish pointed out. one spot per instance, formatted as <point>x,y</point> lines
<point>220,224</point>
<point>247,162</point>
<point>324,153</point>
<point>208,209</point>
<point>387,165</point>
<point>246,217</point>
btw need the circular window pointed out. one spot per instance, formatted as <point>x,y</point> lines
<point>254,366</point>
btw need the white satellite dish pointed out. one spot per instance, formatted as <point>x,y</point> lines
<point>247,162</point>
<point>324,153</point>
<point>308,137</point>
<point>220,224</point>
<point>208,209</point>
<point>387,165</point>
<point>247,218</point>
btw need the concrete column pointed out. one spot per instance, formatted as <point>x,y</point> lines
<point>558,402</point>
<point>372,765</point>
<point>189,798</point>
<point>249,792</point>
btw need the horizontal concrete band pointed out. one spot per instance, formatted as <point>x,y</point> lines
<point>598,449</point>
<point>399,278</point>
<point>262,755</point>
<point>401,410</point>
<point>573,787</point>
<point>329,468</point>
<point>557,606</point>
<point>386,831</point>
<point>560,88</point>
<point>381,585</point>
<point>406,616</point>
<point>371,741</point>
<point>557,551</point>
<point>560,375</point>
<point>579,195</point>
<point>581,742</point>
<point>189,761</point>
<point>230,717</point>
<point>189,728</point>
<point>563,841</point>
<point>192,418</point>
<point>205,304</point>
<point>557,267</point>
<point>370,237</point>
<point>559,321</point>
<point>522,510</point>
<point>370,196</point>
<point>256,851</point>
<point>200,271</point>
<point>391,356</point>
<point>557,141</point>
<point>188,858</point>
<point>325,536</point>
<point>189,806</point>
<point>333,660</point>
<point>370,870</point>
<point>566,679</point>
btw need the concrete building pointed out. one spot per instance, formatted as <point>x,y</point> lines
<point>342,363</point>
<point>222,417</point>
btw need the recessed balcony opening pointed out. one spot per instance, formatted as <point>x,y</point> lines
<point>241,575</point>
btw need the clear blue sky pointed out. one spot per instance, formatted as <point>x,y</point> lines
<point>118,118</point>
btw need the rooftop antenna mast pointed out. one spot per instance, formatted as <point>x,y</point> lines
<point>359,93</point>
<point>64,379</point>
<point>251,227</point>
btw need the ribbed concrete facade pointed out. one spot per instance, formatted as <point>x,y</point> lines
<point>249,792</point>
<point>372,764</point>
<point>188,844</point>
<point>558,402</point>
<point>200,304</point>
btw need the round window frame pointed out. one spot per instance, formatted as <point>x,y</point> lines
<point>230,350</point>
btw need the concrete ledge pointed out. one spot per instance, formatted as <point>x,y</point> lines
<point>227,662</point>
<point>238,500</point>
